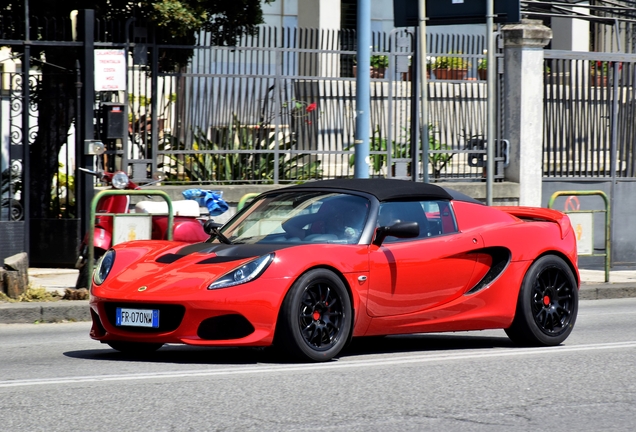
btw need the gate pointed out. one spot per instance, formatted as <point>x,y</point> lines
<point>29,117</point>
<point>12,105</point>
<point>590,137</point>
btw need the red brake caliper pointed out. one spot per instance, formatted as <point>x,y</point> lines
<point>546,300</point>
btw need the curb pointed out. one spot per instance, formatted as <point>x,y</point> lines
<point>44,312</point>
<point>78,310</point>
<point>602,291</point>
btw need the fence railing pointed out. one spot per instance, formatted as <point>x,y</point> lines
<point>590,115</point>
<point>280,107</point>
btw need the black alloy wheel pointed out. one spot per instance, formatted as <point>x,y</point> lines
<point>547,305</point>
<point>552,301</point>
<point>316,317</point>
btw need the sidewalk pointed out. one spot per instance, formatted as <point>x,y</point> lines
<point>593,287</point>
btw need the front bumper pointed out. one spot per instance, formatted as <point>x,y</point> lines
<point>245,315</point>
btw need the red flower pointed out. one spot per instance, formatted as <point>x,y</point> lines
<point>311,107</point>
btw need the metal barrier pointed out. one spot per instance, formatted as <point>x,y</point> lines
<point>244,199</point>
<point>607,220</point>
<point>103,194</point>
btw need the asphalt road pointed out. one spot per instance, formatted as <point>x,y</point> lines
<point>54,378</point>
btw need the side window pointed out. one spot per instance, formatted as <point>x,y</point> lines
<point>440,216</point>
<point>435,218</point>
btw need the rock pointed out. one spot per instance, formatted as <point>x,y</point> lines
<point>75,294</point>
<point>16,275</point>
<point>2,283</point>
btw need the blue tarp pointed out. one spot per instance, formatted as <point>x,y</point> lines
<point>207,198</point>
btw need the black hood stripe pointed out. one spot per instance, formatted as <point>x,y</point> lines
<point>224,253</point>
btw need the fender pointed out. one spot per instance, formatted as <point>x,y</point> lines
<point>102,239</point>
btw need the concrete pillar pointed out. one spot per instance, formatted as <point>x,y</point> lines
<point>323,14</point>
<point>523,98</point>
<point>318,17</point>
<point>572,34</point>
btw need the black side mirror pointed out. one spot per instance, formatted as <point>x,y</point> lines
<point>211,228</point>
<point>399,230</point>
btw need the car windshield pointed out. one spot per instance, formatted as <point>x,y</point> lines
<point>301,217</point>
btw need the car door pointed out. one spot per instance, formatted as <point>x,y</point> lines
<point>412,275</point>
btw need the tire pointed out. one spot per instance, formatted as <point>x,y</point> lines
<point>316,317</point>
<point>547,306</point>
<point>135,347</point>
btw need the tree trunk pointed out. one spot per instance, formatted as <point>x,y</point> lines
<point>55,100</point>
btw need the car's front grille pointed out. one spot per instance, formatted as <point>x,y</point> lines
<point>170,316</point>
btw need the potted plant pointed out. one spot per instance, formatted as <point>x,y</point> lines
<point>379,63</point>
<point>598,73</point>
<point>450,67</point>
<point>482,69</point>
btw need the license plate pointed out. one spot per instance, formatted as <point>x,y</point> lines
<point>137,317</point>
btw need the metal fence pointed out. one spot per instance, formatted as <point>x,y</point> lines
<point>590,115</point>
<point>280,107</point>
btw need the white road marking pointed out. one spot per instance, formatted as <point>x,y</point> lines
<point>340,364</point>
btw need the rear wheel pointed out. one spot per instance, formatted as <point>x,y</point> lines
<point>135,347</point>
<point>547,304</point>
<point>316,317</point>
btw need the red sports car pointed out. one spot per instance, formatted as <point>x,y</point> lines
<point>310,266</point>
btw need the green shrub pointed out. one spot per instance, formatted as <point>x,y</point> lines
<point>450,62</point>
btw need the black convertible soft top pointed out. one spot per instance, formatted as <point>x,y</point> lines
<point>383,189</point>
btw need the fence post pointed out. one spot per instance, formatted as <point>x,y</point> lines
<point>86,129</point>
<point>26,103</point>
<point>523,65</point>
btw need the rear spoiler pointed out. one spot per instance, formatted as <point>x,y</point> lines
<point>540,214</point>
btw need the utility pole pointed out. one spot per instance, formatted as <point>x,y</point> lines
<point>423,88</point>
<point>490,102</point>
<point>363,91</point>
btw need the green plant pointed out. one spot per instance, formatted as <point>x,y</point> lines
<point>62,197</point>
<point>379,61</point>
<point>452,61</point>
<point>439,154</point>
<point>228,155</point>
<point>599,68</point>
<point>378,151</point>
<point>483,64</point>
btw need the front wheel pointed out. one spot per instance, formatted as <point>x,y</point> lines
<point>547,305</point>
<point>316,317</point>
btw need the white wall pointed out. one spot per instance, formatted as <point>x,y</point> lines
<point>326,14</point>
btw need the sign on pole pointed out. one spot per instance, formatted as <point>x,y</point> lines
<point>110,69</point>
<point>582,223</point>
<point>445,12</point>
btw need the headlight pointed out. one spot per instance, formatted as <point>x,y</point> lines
<point>245,273</point>
<point>120,180</point>
<point>103,267</point>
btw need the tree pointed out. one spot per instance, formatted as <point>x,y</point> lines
<point>178,21</point>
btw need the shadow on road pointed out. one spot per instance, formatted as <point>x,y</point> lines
<point>183,354</point>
